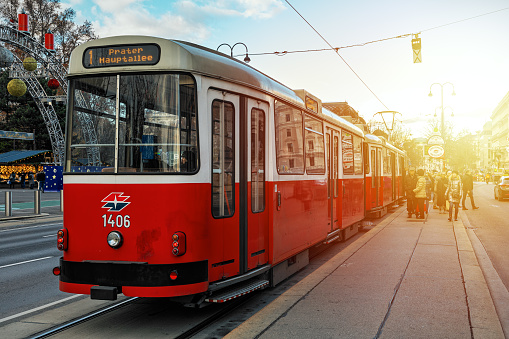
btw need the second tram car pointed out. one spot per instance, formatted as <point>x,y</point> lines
<point>188,171</point>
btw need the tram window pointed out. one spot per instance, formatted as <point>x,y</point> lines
<point>335,166</point>
<point>257,160</point>
<point>365,153</point>
<point>357,154</point>
<point>94,106</point>
<point>348,156</point>
<point>374,172</point>
<point>387,161</point>
<point>290,160</point>
<point>223,159</point>
<point>328,164</point>
<point>157,133</point>
<point>315,150</point>
<point>157,123</point>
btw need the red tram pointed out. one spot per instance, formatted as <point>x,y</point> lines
<point>188,171</point>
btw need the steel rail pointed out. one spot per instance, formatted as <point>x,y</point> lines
<point>83,319</point>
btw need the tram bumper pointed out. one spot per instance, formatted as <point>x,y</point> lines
<point>103,277</point>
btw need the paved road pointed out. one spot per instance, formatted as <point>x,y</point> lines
<point>28,254</point>
<point>491,223</point>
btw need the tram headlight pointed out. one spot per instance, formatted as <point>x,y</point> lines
<point>115,239</point>
<point>178,245</point>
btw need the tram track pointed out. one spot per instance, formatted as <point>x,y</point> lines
<point>77,321</point>
<point>67,329</point>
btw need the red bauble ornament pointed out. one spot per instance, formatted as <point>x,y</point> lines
<point>53,84</point>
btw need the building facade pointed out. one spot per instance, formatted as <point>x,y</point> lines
<point>500,134</point>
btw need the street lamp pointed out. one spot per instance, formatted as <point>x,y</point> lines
<point>442,127</point>
<point>246,59</point>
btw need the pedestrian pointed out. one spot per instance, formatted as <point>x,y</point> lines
<point>468,187</point>
<point>441,184</point>
<point>436,177</point>
<point>429,189</point>
<point>487,178</point>
<point>41,178</point>
<point>410,182</point>
<point>22,179</point>
<point>31,181</point>
<point>12,180</point>
<point>453,193</point>
<point>420,192</point>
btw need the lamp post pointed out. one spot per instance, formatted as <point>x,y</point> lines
<point>246,59</point>
<point>442,127</point>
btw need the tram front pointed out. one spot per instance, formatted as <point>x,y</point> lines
<point>132,183</point>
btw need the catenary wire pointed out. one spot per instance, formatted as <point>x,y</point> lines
<point>337,52</point>
<point>374,41</point>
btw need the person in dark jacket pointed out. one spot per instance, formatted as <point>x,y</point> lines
<point>410,183</point>
<point>468,188</point>
<point>41,178</point>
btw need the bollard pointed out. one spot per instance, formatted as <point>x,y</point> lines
<point>37,202</point>
<point>61,200</point>
<point>8,203</point>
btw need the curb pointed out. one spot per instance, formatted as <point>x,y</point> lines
<point>24,217</point>
<point>497,320</point>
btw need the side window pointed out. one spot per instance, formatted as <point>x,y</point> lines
<point>373,169</point>
<point>315,150</point>
<point>223,159</point>
<point>328,165</point>
<point>289,149</point>
<point>257,160</point>
<point>347,148</point>
<point>357,154</point>
<point>335,166</point>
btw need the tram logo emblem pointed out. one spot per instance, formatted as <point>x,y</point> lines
<point>115,201</point>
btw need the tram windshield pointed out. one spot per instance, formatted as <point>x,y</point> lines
<point>133,123</point>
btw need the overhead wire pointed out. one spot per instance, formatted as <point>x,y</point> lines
<point>337,52</point>
<point>374,41</point>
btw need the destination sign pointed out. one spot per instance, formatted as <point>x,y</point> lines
<point>121,55</point>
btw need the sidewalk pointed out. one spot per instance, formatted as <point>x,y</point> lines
<point>405,278</point>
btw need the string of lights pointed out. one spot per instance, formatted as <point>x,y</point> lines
<point>337,52</point>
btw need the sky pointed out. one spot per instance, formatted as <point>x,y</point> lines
<point>472,55</point>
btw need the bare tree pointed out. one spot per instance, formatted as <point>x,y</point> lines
<point>47,15</point>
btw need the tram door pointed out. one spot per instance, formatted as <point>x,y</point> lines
<point>224,161</point>
<point>256,117</point>
<point>239,199</point>
<point>376,179</point>
<point>332,178</point>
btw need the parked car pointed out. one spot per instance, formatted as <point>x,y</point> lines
<point>501,189</point>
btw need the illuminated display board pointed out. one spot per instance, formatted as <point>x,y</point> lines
<point>121,55</point>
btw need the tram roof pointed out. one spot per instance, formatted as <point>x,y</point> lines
<point>188,57</point>
<point>185,57</point>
